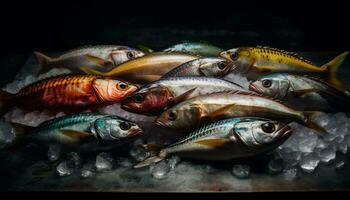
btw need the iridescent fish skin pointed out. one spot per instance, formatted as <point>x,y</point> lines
<point>156,97</point>
<point>67,93</point>
<point>227,139</point>
<point>145,69</point>
<point>289,87</point>
<point>196,48</point>
<point>80,132</point>
<point>110,55</point>
<point>255,62</point>
<point>199,110</point>
<point>209,67</point>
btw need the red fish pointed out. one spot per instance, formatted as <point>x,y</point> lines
<point>67,93</point>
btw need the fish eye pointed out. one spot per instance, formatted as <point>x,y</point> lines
<point>130,55</point>
<point>124,126</point>
<point>172,115</point>
<point>138,98</point>
<point>234,56</point>
<point>268,127</point>
<point>122,86</point>
<point>222,65</point>
<point>267,83</point>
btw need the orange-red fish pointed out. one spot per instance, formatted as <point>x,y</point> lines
<point>67,93</point>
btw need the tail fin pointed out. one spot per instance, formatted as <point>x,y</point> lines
<point>148,161</point>
<point>332,66</point>
<point>154,150</point>
<point>4,102</point>
<point>21,131</point>
<point>88,70</point>
<point>309,122</point>
<point>43,61</point>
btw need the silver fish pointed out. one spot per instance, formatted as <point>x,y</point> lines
<point>227,139</point>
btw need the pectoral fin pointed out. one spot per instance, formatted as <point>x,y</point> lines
<point>214,142</point>
<point>77,135</point>
<point>98,61</point>
<point>300,93</point>
<point>183,96</point>
<point>222,111</point>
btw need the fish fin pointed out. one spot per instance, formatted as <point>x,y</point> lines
<point>21,131</point>
<point>98,61</point>
<point>217,142</point>
<point>43,61</point>
<point>300,93</point>
<point>5,102</point>
<point>145,49</point>
<point>88,70</point>
<point>309,122</point>
<point>332,67</point>
<point>265,68</point>
<point>75,134</point>
<point>148,161</point>
<point>183,96</point>
<point>215,115</point>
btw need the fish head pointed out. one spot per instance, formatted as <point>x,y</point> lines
<point>148,101</point>
<point>215,67</point>
<point>109,90</point>
<point>259,132</point>
<point>241,59</point>
<point>274,85</point>
<point>115,128</point>
<point>120,56</point>
<point>182,116</point>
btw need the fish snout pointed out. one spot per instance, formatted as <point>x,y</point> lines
<point>135,132</point>
<point>253,88</point>
<point>160,123</point>
<point>284,131</point>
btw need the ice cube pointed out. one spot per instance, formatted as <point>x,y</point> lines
<point>340,165</point>
<point>54,152</point>
<point>347,140</point>
<point>74,156</point>
<point>309,162</point>
<point>104,162</point>
<point>159,170</point>
<point>124,162</point>
<point>327,154</point>
<point>290,174</point>
<point>275,166</point>
<point>322,120</point>
<point>139,153</point>
<point>173,161</point>
<point>65,168</point>
<point>241,171</point>
<point>6,135</point>
<point>308,143</point>
<point>342,147</point>
<point>88,170</point>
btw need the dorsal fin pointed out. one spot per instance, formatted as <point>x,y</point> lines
<point>293,54</point>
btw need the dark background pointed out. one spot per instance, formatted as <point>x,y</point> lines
<point>59,25</point>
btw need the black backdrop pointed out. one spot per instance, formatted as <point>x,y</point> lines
<point>60,25</point>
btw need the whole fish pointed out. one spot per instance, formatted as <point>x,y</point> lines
<point>196,48</point>
<point>105,57</point>
<point>67,93</point>
<point>289,87</point>
<point>79,132</point>
<point>209,67</point>
<point>203,109</point>
<point>227,139</point>
<point>259,61</point>
<point>145,69</point>
<point>156,97</point>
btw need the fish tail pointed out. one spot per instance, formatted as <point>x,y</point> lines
<point>5,102</point>
<point>154,151</point>
<point>88,70</point>
<point>148,161</point>
<point>21,131</point>
<point>332,67</point>
<point>309,121</point>
<point>43,61</point>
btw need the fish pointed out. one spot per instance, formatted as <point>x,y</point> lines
<point>204,109</point>
<point>255,62</point>
<point>224,140</point>
<point>208,66</point>
<point>67,93</point>
<point>83,132</point>
<point>144,69</point>
<point>154,98</point>
<point>196,48</point>
<point>291,87</point>
<point>105,57</point>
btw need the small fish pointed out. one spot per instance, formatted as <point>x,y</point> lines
<point>225,140</point>
<point>67,93</point>
<point>289,87</point>
<point>80,132</point>
<point>196,48</point>
<point>209,67</point>
<point>145,69</point>
<point>105,57</point>
<point>259,61</point>
<point>200,110</point>
<point>156,97</point>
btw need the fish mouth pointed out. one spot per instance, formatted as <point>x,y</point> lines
<point>126,107</point>
<point>135,132</point>
<point>286,130</point>
<point>254,88</point>
<point>160,124</point>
